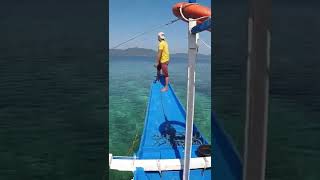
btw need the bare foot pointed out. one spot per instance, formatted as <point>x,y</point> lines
<point>164,89</point>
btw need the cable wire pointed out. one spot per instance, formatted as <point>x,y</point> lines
<point>208,46</point>
<point>145,32</point>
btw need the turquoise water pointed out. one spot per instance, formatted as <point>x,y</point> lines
<point>130,79</point>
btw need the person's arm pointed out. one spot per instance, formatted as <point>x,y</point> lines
<point>159,56</point>
<point>160,49</point>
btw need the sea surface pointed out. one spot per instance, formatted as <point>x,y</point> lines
<point>53,117</point>
<point>53,89</point>
<point>293,149</point>
<point>130,80</point>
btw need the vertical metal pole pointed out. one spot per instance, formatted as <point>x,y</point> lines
<point>192,52</point>
<point>257,89</point>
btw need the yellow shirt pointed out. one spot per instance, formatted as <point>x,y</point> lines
<point>163,45</point>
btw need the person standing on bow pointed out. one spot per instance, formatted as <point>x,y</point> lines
<point>162,60</point>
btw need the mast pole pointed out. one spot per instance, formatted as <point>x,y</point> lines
<point>192,53</point>
<point>257,89</point>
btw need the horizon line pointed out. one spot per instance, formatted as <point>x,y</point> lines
<point>155,50</point>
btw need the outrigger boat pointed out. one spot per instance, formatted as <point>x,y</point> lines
<point>171,147</point>
<point>161,150</point>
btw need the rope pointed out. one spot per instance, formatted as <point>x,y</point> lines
<point>159,168</point>
<point>208,46</point>
<point>134,143</point>
<point>136,139</point>
<point>160,26</point>
<point>176,139</point>
<point>145,32</point>
<point>161,97</point>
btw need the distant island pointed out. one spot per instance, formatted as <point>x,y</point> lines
<point>149,53</point>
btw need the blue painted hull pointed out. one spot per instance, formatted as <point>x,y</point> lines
<point>226,160</point>
<point>163,135</point>
<point>165,115</point>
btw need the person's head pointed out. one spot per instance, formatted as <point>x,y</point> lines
<point>161,36</point>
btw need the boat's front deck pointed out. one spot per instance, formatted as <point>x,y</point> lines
<point>163,136</point>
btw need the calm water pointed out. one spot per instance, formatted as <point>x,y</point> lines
<point>52,118</point>
<point>130,79</point>
<point>53,113</point>
<point>294,112</point>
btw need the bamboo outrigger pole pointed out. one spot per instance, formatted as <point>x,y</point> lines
<point>257,89</point>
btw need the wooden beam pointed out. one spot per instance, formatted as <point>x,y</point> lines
<point>130,164</point>
<point>259,23</point>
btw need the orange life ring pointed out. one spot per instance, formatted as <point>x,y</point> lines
<point>191,10</point>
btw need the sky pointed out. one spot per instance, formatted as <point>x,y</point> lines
<point>128,18</point>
